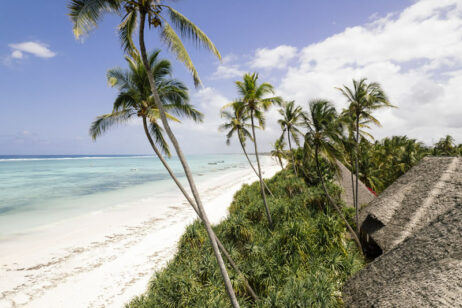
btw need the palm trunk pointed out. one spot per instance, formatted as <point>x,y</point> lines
<point>194,206</point>
<point>352,180</point>
<point>251,165</point>
<point>263,195</point>
<point>292,153</point>
<point>280,162</point>
<point>357,175</point>
<point>355,237</point>
<point>187,170</point>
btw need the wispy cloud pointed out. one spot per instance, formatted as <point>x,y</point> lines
<point>21,50</point>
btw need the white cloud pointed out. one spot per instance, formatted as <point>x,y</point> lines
<point>416,56</point>
<point>17,54</point>
<point>35,48</point>
<point>205,137</point>
<point>277,57</point>
<point>227,71</point>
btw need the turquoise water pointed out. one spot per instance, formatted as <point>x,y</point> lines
<point>36,191</point>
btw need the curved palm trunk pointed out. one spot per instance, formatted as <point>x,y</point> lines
<point>280,162</point>
<point>262,189</point>
<point>293,156</point>
<point>358,243</point>
<point>194,206</point>
<point>357,175</point>
<point>251,165</point>
<point>187,170</point>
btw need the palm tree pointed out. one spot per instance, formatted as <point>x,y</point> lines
<point>324,132</point>
<point>85,15</point>
<point>255,101</point>
<point>135,99</point>
<point>363,100</point>
<point>237,123</point>
<point>445,146</point>
<point>348,143</point>
<point>278,151</point>
<point>291,119</point>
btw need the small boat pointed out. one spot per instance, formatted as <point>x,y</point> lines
<point>212,163</point>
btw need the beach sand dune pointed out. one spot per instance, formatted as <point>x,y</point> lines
<point>105,258</point>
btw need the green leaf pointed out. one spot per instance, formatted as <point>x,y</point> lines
<point>126,30</point>
<point>191,31</point>
<point>174,43</point>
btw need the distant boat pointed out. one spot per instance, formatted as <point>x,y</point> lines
<point>212,163</point>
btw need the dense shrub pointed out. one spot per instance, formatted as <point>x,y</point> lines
<point>302,262</point>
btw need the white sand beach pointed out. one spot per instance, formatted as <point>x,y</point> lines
<point>105,258</point>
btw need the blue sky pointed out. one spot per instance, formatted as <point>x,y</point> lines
<point>53,86</point>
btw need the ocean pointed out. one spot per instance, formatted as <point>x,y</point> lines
<point>36,191</point>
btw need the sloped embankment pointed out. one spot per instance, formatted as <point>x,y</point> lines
<point>302,262</point>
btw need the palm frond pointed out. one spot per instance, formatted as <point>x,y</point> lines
<point>157,132</point>
<point>154,115</point>
<point>106,121</point>
<point>190,30</point>
<point>85,14</point>
<point>126,30</point>
<point>173,42</point>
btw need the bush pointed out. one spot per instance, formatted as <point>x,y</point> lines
<point>302,262</point>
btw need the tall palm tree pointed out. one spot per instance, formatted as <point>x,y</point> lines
<point>85,15</point>
<point>323,136</point>
<point>237,124</point>
<point>135,99</point>
<point>255,101</point>
<point>292,118</point>
<point>278,151</point>
<point>349,145</point>
<point>363,99</point>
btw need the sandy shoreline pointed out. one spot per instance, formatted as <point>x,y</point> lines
<point>105,258</point>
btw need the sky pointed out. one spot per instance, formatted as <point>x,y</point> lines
<point>52,86</point>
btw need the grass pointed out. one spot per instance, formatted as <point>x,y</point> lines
<point>302,262</point>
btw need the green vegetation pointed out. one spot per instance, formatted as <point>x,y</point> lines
<point>298,257</point>
<point>301,262</point>
<point>382,162</point>
<point>254,100</point>
<point>292,119</point>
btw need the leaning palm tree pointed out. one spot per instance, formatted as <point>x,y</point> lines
<point>237,123</point>
<point>135,100</point>
<point>255,101</point>
<point>85,15</point>
<point>363,99</point>
<point>292,118</point>
<point>323,136</point>
<point>278,151</point>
